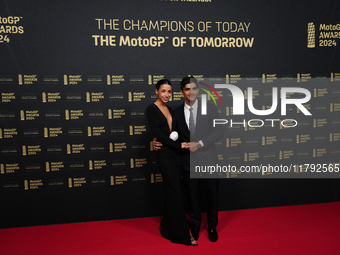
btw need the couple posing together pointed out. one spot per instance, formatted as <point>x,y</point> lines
<point>173,130</point>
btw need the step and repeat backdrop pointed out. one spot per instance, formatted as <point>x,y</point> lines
<point>76,77</point>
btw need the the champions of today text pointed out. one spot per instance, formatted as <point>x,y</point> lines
<point>232,33</point>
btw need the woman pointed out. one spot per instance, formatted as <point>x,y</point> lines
<point>174,225</point>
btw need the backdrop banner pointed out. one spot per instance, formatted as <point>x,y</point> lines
<point>76,78</point>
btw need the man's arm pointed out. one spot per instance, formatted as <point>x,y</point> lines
<point>156,145</point>
<point>213,133</point>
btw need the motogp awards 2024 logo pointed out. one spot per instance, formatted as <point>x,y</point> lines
<point>328,35</point>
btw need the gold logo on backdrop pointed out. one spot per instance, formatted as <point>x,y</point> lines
<point>24,151</point>
<point>89,131</point>
<point>150,79</point>
<point>297,169</point>
<point>45,132</point>
<point>88,98</point>
<point>20,79</point>
<point>2,168</point>
<point>67,115</point>
<point>132,165</point>
<point>245,157</point>
<point>65,80</point>
<point>131,130</point>
<point>111,147</point>
<point>246,94</point>
<point>109,114</point>
<point>0,133</point>
<point>47,164</point>
<point>68,149</point>
<point>311,35</point>
<point>130,97</point>
<point>108,79</point>
<point>152,178</point>
<point>70,182</point>
<point>112,180</point>
<point>90,165</point>
<point>44,97</point>
<point>330,137</point>
<point>22,115</point>
<point>26,184</point>
<point>297,139</point>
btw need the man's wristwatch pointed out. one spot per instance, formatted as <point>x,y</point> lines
<point>199,144</point>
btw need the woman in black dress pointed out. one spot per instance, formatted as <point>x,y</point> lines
<point>174,225</point>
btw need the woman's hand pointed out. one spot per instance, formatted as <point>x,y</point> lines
<point>185,146</point>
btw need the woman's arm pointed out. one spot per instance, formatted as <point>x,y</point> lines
<point>154,123</point>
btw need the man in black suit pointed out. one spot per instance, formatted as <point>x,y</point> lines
<point>198,129</point>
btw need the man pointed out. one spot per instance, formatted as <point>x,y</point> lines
<point>193,126</point>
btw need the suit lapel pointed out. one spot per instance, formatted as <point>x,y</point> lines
<point>182,117</point>
<point>181,121</point>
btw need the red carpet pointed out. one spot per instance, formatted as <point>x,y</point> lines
<point>305,229</point>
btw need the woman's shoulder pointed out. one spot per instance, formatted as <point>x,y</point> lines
<point>151,106</point>
<point>154,106</point>
<point>151,109</point>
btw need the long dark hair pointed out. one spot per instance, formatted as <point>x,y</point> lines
<point>161,82</point>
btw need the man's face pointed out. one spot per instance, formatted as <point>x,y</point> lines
<point>190,92</point>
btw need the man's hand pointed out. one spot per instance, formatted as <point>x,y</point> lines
<point>156,145</point>
<point>193,146</point>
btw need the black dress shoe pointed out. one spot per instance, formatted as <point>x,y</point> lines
<point>195,232</point>
<point>212,234</point>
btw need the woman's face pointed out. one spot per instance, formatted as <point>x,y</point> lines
<point>164,93</point>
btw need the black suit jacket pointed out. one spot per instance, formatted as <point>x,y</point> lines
<point>204,131</point>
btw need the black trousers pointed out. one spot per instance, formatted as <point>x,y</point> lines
<point>211,191</point>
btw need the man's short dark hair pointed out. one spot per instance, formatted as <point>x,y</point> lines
<point>187,80</point>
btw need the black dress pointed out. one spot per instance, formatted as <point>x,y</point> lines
<point>174,225</point>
